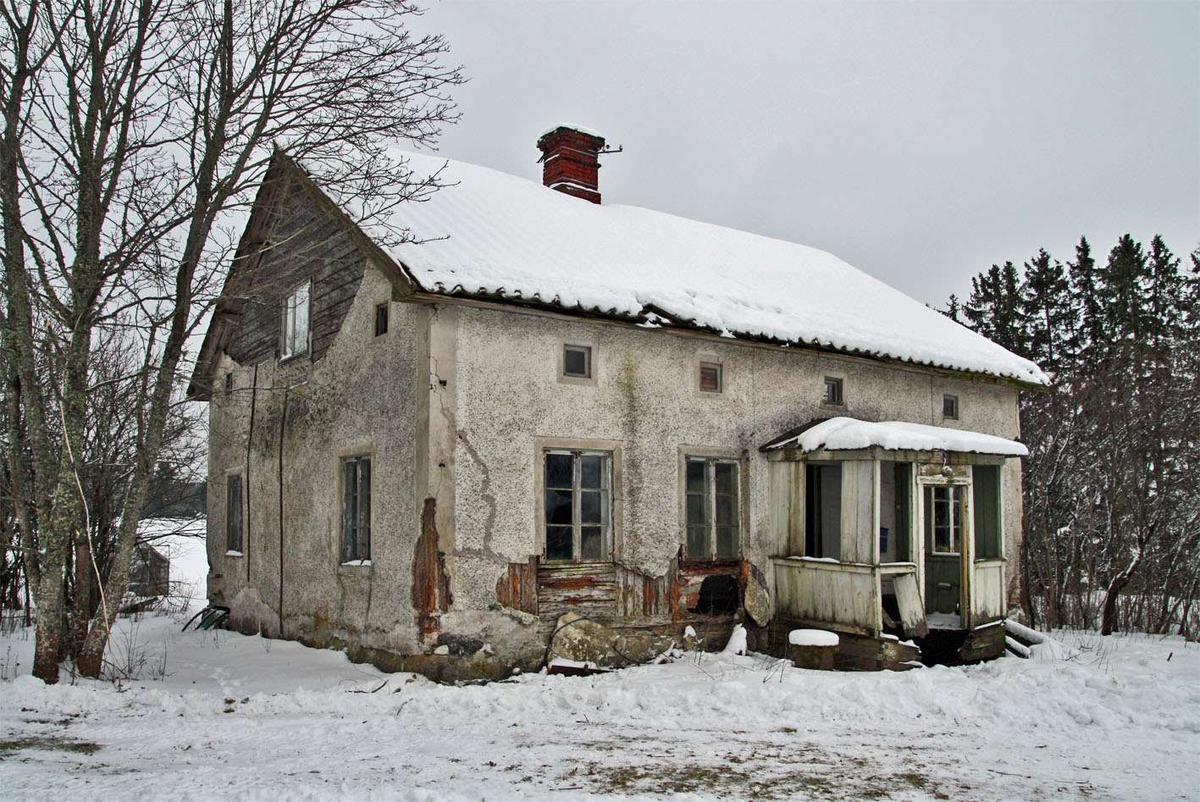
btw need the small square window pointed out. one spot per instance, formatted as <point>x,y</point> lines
<point>577,361</point>
<point>381,319</point>
<point>833,392</point>
<point>710,377</point>
<point>950,407</point>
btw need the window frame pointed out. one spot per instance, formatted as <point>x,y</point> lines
<point>288,349</point>
<point>711,460</point>
<point>957,505</point>
<point>385,309</point>
<point>541,445</point>
<point>234,479</point>
<point>954,401</point>
<point>577,490</point>
<point>589,357</point>
<point>354,554</point>
<point>840,383</point>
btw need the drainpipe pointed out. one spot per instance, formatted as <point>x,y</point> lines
<point>282,427</point>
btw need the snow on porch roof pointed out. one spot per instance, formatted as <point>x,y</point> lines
<point>849,434</point>
<point>508,238</point>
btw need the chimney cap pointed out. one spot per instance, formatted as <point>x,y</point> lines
<point>579,129</point>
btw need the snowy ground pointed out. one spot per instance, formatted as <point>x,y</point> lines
<point>224,716</point>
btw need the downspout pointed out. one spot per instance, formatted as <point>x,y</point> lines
<point>282,427</point>
<point>249,450</point>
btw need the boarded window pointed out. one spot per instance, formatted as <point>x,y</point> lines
<point>356,509</point>
<point>710,377</point>
<point>381,319</point>
<point>577,505</point>
<point>950,407</point>
<point>988,540</point>
<point>577,361</point>
<point>833,392</point>
<point>944,518</point>
<point>711,508</point>
<point>823,510</point>
<point>294,339</point>
<point>233,513</point>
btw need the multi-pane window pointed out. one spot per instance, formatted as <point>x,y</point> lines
<point>833,392</point>
<point>577,361</point>
<point>356,509</point>
<point>950,407</point>
<point>233,513</point>
<point>710,377</point>
<point>578,499</point>
<point>294,339</point>
<point>711,499</point>
<point>944,514</point>
<point>381,319</point>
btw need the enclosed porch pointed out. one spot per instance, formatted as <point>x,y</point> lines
<point>890,533</point>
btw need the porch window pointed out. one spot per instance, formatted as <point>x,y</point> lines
<point>823,510</point>
<point>711,498</point>
<point>944,517</point>
<point>233,513</point>
<point>577,501</point>
<point>988,540</point>
<point>294,339</point>
<point>356,509</point>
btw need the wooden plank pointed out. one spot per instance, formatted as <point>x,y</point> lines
<point>912,612</point>
<point>858,511</point>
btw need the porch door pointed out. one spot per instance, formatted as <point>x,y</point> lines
<point>947,554</point>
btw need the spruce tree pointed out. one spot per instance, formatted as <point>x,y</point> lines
<point>1047,311</point>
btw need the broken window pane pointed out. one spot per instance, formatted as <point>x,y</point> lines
<point>558,507</point>
<point>558,543</point>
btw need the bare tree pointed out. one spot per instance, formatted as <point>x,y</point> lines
<point>143,127</point>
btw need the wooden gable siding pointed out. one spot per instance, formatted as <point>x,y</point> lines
<point>303,242</point>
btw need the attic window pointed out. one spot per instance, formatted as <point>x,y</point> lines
<point>577,362</point>
<point>381,319</point>
<point>294,339</point>
<point>950,407</point>
<point>710,377</point>
<point>833,392</point>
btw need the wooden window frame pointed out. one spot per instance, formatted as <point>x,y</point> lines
<point>577,490</point>
<point>709,494</point>
<point>952,400</point>
<point>958,505</point>
<point>839,401</point>
<point>288,348</point>
<point>234,479</point>
<point>542,445</point>
<point>352,547</point>
<point>720,370</point>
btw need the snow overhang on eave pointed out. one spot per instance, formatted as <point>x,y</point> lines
<point>652,317</point>
<point>843,435</point>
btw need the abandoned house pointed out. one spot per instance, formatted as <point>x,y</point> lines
<point>551,412</point>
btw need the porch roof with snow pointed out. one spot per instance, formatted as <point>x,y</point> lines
<point>493,236</point>
<point>851,434</point>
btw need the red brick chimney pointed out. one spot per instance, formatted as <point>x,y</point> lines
<point>570,162</point>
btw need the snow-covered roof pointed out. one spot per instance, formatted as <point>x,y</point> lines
<point>850,434</point>
<point>513,239</point>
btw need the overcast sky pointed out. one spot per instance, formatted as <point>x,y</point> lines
<point>920,142</point>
